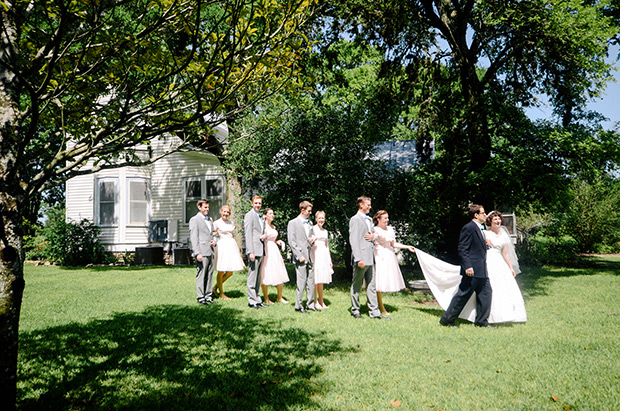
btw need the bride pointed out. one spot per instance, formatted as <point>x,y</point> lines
<point>502,265</point>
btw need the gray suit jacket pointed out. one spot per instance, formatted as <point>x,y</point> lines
<point>298,240</point>
<point>252,230</point>
<point>360,248</point>
<point>200,235</point>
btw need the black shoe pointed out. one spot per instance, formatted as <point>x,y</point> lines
<point>210,301</point>
<point>448,324</point>
<point>311,309</point>
<point>356,315</point>
<point>382,318</point>
<point>301,310</point>
<point>486,326</point>
<point>255,306</point>
<point>261,305</point>
<point>203,302</point>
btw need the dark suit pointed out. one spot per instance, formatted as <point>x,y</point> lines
<point>201,234</point>
<point>473,254</point>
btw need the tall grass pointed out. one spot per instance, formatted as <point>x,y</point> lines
<point>135,338</point>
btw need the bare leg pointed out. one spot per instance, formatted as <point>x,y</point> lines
<point>380,302</point>
<point>319,293</point>
<point>217,289</point>
<point>221,278</point>
<point>280,298</point>
<point>266,294</point>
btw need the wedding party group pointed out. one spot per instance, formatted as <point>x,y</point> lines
<point>482,289</point>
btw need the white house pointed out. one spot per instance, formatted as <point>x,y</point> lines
<point>126,202</point>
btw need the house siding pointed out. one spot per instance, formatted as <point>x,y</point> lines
<point>166,178</point>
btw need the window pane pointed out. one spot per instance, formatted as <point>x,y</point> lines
<point>193,189</point>
<point>107,202</point>
<point>106,214</point>
<point>190,210</point>
<point>138,213</point>
<point>107,191</point>
<point>215,188</point>
<point>138,202</point>
<point>138,190</point>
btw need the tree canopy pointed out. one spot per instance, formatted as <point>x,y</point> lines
<point>98,81</point>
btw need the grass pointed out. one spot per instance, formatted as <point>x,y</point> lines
<point>134,338</point>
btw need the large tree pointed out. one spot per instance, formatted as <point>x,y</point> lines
<point>515,50</point>
<point>93,81</point>
<point>455,76</point>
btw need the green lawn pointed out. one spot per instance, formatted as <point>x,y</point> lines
<point>135,338</point>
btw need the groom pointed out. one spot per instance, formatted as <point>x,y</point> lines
<point>473,254</point>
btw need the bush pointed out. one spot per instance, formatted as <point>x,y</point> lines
<point>554,250</point>
<point>68,243</point>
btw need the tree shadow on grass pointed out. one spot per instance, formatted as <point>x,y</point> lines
<point>172,358</point>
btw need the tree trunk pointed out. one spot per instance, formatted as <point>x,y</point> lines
<point>11,292</point>
<point>11,232</point>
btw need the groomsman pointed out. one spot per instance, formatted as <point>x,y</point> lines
<point>253,228</point>
<point>300,240</point>
<point>473,254</point>
<point>361,238</point>
<point>201,236</point>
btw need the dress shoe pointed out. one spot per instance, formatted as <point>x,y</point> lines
<point>486,326</point>
<point>380,317</point>
<point>255,306</point>
<point>356,315</point>
<point>203,302</point>
<point>301,310</point>
<point>311,309</point>
<point>210,301</point>
<point>448,324</point>
<point>262,305</point>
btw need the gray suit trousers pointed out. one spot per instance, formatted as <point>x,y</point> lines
<point>359,275</point>
<point>204,278</point>
<point>254,280</point>
<point>305,280</point>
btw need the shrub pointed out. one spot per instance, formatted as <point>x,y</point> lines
<point>70,243</point>
<point>554,250</point>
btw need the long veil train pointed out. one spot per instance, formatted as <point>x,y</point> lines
<point>443,279</point>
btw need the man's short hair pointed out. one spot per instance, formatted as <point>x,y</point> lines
<point>255,197</point>
<point>474,209</point>
<point>201,202</point>
<point>304,204</point>
<point>362,199</point>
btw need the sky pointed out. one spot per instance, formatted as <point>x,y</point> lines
<point>608,105</point>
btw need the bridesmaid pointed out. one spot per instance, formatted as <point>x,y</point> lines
<point>272,270</point>
<point>321,259</point>
<point>389,279</point>
<point>227,255</point>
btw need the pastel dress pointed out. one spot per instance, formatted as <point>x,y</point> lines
<point>389,279</point>
<point>227,255</point>
<point>272,270</point>
<point>443,279</point>
<point>321,258</point>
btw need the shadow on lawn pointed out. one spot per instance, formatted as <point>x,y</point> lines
<point>172,358</point>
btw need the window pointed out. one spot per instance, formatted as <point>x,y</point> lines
<point>107,202</point>
<point>138,201</point>
<point>208,187</point>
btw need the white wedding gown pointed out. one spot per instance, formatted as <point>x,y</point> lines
<point>507,302</point>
